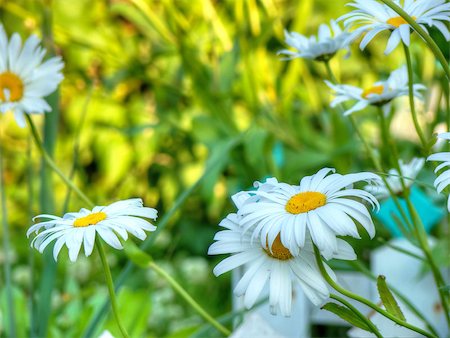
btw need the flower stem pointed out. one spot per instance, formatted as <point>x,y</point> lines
<point>423,34</point>
<point>411,99</point>
<point>7,252</point>
<point>423,241</point>
<point>182,292</point>
<point>110,284</point>
<point>365,301</point>
<point>53,165</point>
<point>359,314</point>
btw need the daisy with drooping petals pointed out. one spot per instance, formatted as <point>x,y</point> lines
<point>77,228</point>
<point>24,79</point>
<point>380,94</point>
<point>322,205</point>
<point>275,265</point>
<point>409,172</point>
<point>373,17</point>
<point>443,180</point>
<point>321,48</point>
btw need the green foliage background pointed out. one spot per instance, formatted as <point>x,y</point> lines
<point>156,95</point>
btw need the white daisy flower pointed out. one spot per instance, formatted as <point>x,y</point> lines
<point>77,228</point>
<point>276,265</point>
<point>324,204</point>
<point>380,94</point>
<point>24,79</point>
<point>443,180</point>
<point>409,172</point>
<point>321,47</point>
<point>373,17</point>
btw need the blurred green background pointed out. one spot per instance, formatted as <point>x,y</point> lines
<point>162,96</point>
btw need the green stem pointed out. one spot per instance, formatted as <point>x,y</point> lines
<point>359,314</point>
<point>363,300</point>
<point>399,249</point>
<point>182,292</point>
<point>53,165</point>
<point>110,285</point>
<point>7,251</point>
<point>411,99</point>
<point>433,46</point>
<point>391,148</point>
<point>423,241</point>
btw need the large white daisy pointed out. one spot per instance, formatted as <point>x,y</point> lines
<point>322,47</point>
<point>408,170</point>
<point>77,228</point>
<point>275,265</point>
<point>443,180</point>
<point>380,94</point>
<point>373,17</point>
<point>24,79</point>
<point>322,205</point>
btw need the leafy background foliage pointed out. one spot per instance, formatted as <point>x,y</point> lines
<point>158,94</point>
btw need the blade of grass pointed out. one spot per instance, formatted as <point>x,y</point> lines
<point>48,274</point>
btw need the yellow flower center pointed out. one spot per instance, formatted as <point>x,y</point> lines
<point>90,219</point>
<point>279,251</point>
<point>373,90</point>
<point>305,201</point>
<point>397,21</point>
<point>11,82</point>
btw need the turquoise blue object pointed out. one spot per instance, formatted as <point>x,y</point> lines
<point>428,212</point>
<point>278,153</point>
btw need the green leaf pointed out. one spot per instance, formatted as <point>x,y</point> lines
<point>346,315</point>
<point>388,299</point>
<point>136,255</point>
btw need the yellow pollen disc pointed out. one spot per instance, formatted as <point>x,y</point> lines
<point>90,219</point>
<point>305,201</point>
<point>397,21</point>
<point>13,83</point>
<point>373,90</point>
<point>279,251</point>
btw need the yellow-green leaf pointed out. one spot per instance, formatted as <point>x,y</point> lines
<point>388,299</point>
<point>346,315</point>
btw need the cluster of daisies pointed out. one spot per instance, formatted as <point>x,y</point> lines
<point>369,19</point>
<point>277,225</point>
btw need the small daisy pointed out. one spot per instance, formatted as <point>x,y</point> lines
<point>77,228</point>
<point>275,265</point>
<point>373,17</point>
<point>443,180</point>
<point>380,94</point>
<point>24,79</point>
<point>324,204</point>
<point>409,172</point>
<point>320,48</point>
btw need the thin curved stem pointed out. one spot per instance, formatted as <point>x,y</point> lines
<point>423,241</point>
<point>110,284</point>
<point>411,99</point>
<point>423,34</point>
<point>359,314</point>
<point>363,300</point>
<point>187,297</point>
<point>53,165</point>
